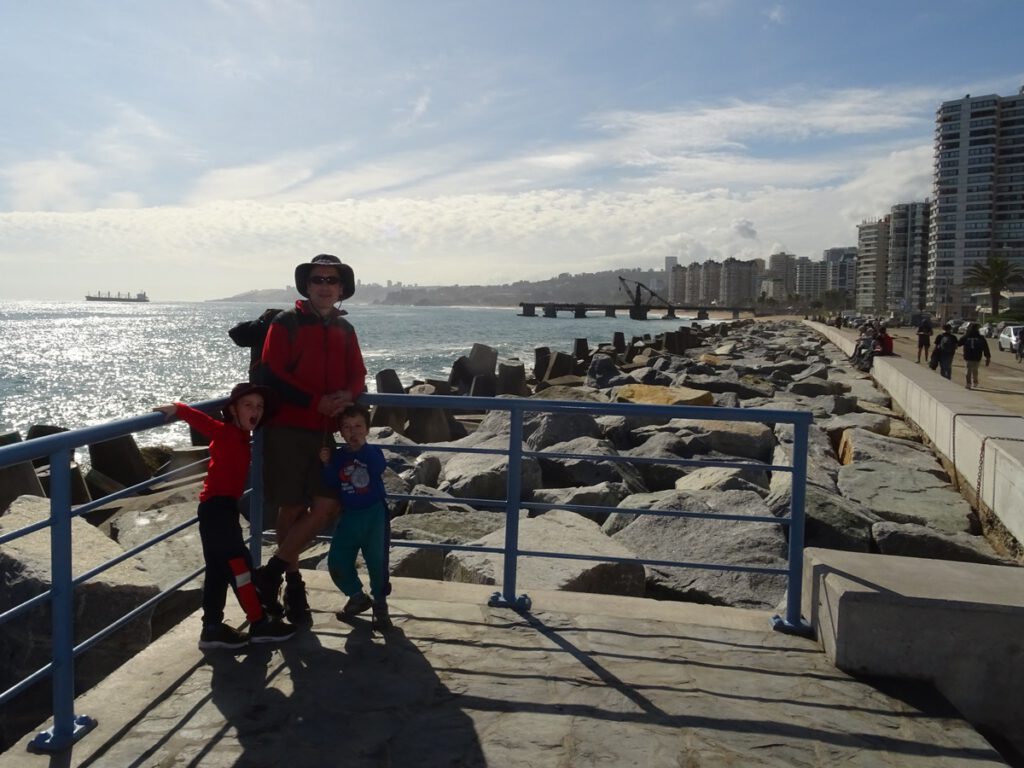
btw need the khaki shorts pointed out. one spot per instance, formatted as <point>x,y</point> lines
<point>291,465</point>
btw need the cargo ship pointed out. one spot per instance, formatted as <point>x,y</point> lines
<point>108,296</point>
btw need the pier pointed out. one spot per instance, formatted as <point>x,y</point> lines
<point>635,311</point>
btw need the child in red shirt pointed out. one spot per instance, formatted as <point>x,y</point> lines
<point>224,551</point>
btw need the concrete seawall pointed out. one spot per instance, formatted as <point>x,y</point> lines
<point>954,625</point>
<point>968,431</point>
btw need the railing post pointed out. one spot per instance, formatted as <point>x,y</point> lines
<point>513,491</point>
<point>794,589</point>
<point>67,728</point>
<point>256,500</point>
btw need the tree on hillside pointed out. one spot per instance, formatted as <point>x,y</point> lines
<point>997,273</point>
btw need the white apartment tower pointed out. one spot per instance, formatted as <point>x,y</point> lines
<point>872,265</point>
<point>811,278</point>
<point>977,194</point>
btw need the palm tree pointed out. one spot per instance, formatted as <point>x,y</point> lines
<point>997,273</point>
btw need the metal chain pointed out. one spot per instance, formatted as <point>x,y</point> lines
<point>981,459</point>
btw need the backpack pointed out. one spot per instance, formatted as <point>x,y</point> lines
<point>972,345</point>
<point>946,344</point>
<point>252,334</point>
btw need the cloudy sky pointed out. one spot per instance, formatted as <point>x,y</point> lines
<point>201,148</point>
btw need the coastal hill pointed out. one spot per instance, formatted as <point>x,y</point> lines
<point>590,287</point>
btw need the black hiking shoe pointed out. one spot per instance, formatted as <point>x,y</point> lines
<point>222,636</point>
<point>358,603</point>
<point>296,605</point>
<point>381,617</point>
<point>268,588</point>
<point>270,631</point>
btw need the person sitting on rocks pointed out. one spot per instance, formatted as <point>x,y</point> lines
<point>224,551</point>
<point>864,346</point>
<point>355,470</point>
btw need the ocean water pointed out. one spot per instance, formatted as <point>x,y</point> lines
<point>75,364</point>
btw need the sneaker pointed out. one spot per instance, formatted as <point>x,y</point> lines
<point>268,588</point>
<point>270,631</point>
<point>296,605</point>
<point>222,636</point>
<point>381,617</point>
<point>358,603</point>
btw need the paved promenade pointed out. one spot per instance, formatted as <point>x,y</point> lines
<point>583,680</point>
<point>1001,383</point>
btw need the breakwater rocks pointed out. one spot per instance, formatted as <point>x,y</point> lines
<point>871,487</point>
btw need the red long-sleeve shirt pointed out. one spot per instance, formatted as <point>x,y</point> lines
<point>229,453</point>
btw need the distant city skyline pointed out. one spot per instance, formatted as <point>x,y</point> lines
<point>197,150</point>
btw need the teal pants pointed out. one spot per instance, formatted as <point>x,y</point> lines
<point>365,530</point>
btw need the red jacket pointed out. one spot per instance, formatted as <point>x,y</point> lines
<point>884,341</point>
<point>229,454</point>
<point>306,357</point>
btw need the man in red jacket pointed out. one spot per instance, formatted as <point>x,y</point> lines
<point>312,359</point>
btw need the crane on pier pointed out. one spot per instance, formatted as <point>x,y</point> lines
<point>634,289</point>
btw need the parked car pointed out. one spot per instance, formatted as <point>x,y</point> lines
<point>1009,338</point>
<point>962,329</point>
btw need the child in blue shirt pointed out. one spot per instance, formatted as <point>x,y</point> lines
<point>355,470</point>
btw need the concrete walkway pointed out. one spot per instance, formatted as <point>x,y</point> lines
<point>1001,383</point>
<point>583,680</point>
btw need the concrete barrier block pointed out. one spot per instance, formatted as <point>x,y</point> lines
<point>955,625</point>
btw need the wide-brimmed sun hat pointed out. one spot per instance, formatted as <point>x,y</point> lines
<point>345,274</point>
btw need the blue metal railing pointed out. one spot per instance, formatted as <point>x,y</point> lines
<point>69,727</point>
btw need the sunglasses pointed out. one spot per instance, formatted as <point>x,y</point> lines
<point>325,280</point>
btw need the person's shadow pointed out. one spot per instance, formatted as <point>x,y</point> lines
<point>339,695</point>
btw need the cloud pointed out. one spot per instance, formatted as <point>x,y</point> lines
<point>415,113</point>
<point>745,229</point>
<point>49,185</point>
<point>632,188</point>
<point>776,14</point>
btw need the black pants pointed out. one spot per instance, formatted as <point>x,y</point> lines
<point>221,535</point>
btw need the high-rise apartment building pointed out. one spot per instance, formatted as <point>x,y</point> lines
<point>872,265</point>
<point>782,266</point>
<point>906,278</point>
<point>693,278</point>
<point>977,194</point>
<point>671,262</point>
<point>841,271</point>
<point>710,281</point>
<point>811,278</point>
<point>738,283</point>
<point>677,284</point>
